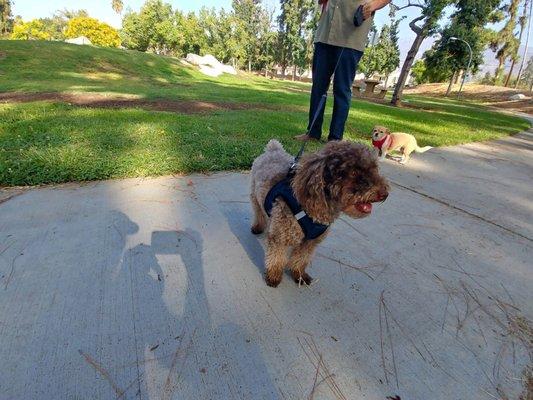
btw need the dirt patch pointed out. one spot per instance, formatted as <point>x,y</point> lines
<point>496,96</point>
<point>404,104</point>
<point>95,100</point>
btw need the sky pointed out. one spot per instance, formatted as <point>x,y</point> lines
<point>101,9</point>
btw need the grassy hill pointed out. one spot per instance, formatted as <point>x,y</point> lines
<point>73,113</point>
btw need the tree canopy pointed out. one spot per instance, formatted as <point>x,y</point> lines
<point>31,30</point>
<point>467,23</point>
<point>382,58</point>
<point>99,33</point>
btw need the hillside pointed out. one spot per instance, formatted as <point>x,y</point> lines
<point>495,96</point>
<point>34,66</point>
<point>75,113</point>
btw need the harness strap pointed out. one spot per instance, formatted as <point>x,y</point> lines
<point>386,141</point>
<point>311,229</point>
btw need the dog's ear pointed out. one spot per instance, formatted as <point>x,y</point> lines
<point>309,188</point>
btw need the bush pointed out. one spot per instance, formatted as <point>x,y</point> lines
<point>32,30</point>
<point>99,33</point>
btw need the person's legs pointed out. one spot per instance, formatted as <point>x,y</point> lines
<point>342,90</point>
<point>323,65</point>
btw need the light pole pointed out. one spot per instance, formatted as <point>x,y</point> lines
<point>453,39</point>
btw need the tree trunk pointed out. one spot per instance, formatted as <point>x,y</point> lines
<point>386,84</point>
<point>498,70</point>
<point>527,45</point>
<point>459,76</point>
<point>406,69</point>
<point>522,26</point>
<point>450,86</point>
<point>249,65</point>
<point>294,73</point>
<point>508,79</point>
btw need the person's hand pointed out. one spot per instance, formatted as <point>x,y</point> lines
<point>369,7</point>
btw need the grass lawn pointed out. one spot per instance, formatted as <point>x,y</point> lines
<point>51,142</point>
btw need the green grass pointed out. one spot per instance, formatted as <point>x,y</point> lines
<point>43,142</point>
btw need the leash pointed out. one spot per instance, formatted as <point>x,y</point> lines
<point>321,105</point>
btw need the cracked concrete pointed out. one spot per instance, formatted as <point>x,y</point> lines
<point>153,289</point>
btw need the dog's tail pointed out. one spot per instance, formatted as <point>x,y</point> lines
<point>423,149</point>
<point>274,145</point>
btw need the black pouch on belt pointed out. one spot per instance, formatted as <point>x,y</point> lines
<point>358,17</point>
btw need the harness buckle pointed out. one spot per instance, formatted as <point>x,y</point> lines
<point>300,215</point>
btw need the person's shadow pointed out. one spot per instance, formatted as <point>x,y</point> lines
<point>180,353</point>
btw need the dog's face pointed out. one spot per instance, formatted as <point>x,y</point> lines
<point>379,132</point>
<point>344,177</point>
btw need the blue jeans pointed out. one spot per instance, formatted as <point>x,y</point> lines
<point>325,59</point>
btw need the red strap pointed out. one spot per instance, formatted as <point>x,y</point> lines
<point>379,143</point>
<point>324,4</point>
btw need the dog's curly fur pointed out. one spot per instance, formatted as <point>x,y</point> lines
<point>343,177</point>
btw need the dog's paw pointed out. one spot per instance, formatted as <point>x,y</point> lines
<point>257,230</point>
<point>273,283</point>
<point>304,278</point>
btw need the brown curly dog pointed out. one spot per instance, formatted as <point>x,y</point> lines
<point>342,177</point>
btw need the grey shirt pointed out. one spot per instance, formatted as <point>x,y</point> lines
<point>336,25</point>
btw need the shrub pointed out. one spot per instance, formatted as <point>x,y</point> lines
<point>32,30</point>
<point>99,33</point>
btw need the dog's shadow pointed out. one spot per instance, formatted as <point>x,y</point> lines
<point>238,216</point>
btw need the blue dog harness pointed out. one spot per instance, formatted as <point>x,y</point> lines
<point>283,189</point>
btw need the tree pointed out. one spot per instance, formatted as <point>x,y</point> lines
<point>195,40</point>
<point>505,44</point>
<point>154,28</point>
<point>418,72</point>
<point>384,57</point>
<point>527,76</point>
<point>267,51</point>
<point>448,57</point>
<point>370,61</point>
<point>248,15</point>
<point>391,49</point>
<point>6,17</point>
<point>32,30</point>
<point>430,13</point>
<point>522,21</point>
<point>252,28</point>
<point>526,46</point>
<point>117,6</point>
<point>294,31</point>
<point>99,33</point>
<point>57,24</point>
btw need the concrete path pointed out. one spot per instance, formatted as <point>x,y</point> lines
<point>153,289</point>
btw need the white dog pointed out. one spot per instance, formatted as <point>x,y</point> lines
<point>386,142</point>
